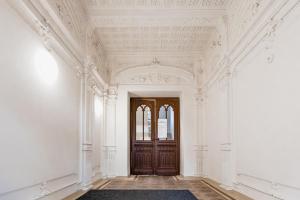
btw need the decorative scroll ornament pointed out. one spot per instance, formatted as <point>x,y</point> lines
<point>44,31</point>
<point>270,38</point>
<point>156,78</point>
<point>255,7</point>
<point>155,61</point>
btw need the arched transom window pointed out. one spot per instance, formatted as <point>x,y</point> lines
<point>166,118</point>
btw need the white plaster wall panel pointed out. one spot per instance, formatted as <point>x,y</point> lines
<point>97,131</point>
<point>188,132</point>
<point>111,124</point>
<point>123,132</point>
<point>216,128</point>
<point>39,131</point>
<point>267,112</point>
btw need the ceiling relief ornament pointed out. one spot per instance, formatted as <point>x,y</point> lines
<point>128,60</point>
<point>151,39</point>
<point>72,15</point>
<point>95,51</point>
<point>74,18</point>
<point>153,20</point>
<point>44,32</point>
<point>154,74</point>
<point>117,4</point>
<point>241,15</point>
<point>156,78</point>
<point>133,31</point>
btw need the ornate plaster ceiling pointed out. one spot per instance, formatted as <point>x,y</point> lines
<point>133,32</point>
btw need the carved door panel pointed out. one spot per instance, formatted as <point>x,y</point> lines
<point>142,136</point>
<point>154,136</point>
<point>167,141</point>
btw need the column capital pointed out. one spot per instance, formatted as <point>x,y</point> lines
<point>199,96</point>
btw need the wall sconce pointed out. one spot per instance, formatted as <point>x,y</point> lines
<point>46,66</point>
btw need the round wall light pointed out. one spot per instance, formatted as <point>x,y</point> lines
<point>46,66</point>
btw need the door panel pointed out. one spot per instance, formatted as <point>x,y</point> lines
<point>167,148</point>
<point>142,136</point>
<point>154,136</point>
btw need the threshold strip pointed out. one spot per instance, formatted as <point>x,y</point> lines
<point>218,190</point>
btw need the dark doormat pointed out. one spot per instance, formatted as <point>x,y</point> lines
<point>138,195</point>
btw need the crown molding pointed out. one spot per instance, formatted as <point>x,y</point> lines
<point>261,30</point>
<point>52,27</point>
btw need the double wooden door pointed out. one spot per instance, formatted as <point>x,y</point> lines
<point>154,136</point>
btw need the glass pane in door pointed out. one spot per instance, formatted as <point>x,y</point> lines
<point>139,124</point>
<point>170,122</point>
<point>147,123</point>
<point>166,123</point>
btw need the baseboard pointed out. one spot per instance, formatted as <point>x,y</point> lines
<point>53,189</point>
<point>229,193</point>
<point>260,188</point>
<point>94,186</point>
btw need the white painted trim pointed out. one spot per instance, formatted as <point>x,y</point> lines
<point>255,35</point>
<point>44,188</point>
<point>265,187</point>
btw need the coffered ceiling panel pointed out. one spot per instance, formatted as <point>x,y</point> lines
<point>115,4</point>
<point>133,32</point>
<point>149,39</point>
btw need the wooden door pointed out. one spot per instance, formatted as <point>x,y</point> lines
<point>142,136</point>
<point>154,136</point>
<point>167,146</point>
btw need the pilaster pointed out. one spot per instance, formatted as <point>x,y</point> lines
<point>226,147</point>
<point>109,147</point>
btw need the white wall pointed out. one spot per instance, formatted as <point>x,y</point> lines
<point>216,129</point>
<point>266,110</point>
<point>39,122</point>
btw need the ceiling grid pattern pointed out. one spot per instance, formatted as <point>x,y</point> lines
<point>133,32</point>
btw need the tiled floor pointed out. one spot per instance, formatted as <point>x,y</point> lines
<point>197,186</point>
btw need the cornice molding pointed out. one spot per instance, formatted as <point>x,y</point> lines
<point>53,27</point>
<point>262,30</point>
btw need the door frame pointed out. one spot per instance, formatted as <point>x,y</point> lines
<point>131,123</point>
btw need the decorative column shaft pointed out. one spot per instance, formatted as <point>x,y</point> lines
<point>110,132</point>
<point>203,138</point>
<point>86,131</point>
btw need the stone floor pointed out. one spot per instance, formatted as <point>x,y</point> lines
<point>197,186</point>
